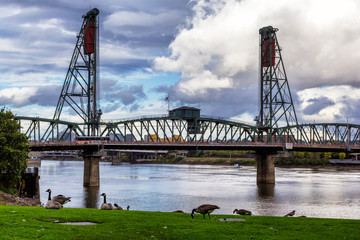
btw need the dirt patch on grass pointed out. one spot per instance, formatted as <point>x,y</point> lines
<point>9,199</point>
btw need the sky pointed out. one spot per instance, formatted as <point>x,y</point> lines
<point>199,53</point>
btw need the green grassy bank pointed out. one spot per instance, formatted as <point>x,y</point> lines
<point>40,223</point>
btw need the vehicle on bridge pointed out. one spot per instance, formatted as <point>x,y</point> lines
<point>92,139</point>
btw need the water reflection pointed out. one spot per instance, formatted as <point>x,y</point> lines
<point>314,193</point>
<point>91,197</point>
<point>265,190</point>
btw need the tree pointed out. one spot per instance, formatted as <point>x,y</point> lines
<point>14,150</point>
<point>342,155</point>
<point>327,155</point>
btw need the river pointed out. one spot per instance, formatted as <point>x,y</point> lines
<point>323,193</point>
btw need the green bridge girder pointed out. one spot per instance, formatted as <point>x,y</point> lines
<point>42,129</point>
<point>203,129</point>
<point>320,133</point>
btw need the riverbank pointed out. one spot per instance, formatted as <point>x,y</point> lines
<point>299,163</point>
<point>10,199</point>
<point>40,223</point>
<point>218,161</point>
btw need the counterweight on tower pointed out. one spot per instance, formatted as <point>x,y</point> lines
<point>80,85</point>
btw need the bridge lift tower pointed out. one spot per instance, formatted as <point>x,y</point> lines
<point>80,85</point>
<point>276,104</point>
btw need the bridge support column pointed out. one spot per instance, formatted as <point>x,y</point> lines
<point>265,163</point>
<point>91,170</point>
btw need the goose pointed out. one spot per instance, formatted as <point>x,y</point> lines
<point>51,204</point>
<point>178,211</point>
<point>242,212</point>
<point>290,214</point>
<point>59,198</point>
<point>204,209</point>
<point>116,207</point>
<point>105,206</point>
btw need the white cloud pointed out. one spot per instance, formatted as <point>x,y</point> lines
<point>17,96</point>
<point>120,113</point>
<point>53,23</point>
<point>117,53</point>
<point>222,38</point>
<point>30,79</point>
<point>342,96</point>
<point>200,82</point>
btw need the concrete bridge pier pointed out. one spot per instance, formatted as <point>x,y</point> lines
<point>91,169</point>
<point>265,163</point>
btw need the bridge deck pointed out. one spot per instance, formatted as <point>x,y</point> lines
<point>250,146</point>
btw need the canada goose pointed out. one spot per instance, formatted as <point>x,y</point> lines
<point>178,211</point>
<point>290,214</point>
<point>116,207</point>
<point>204,209</point>
<point>59,198</point>
<point>106,206</point>
<point>242,212</point>
<point>51,204</point>
<point>128,208</point>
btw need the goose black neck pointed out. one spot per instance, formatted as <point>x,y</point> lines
<point>192,213</point>
<point>49,195</point>
<point>104,198</point>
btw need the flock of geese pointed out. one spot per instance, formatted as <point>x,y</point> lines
<point>109,206</point>
<point>209,208</point>
<point>58,201</point>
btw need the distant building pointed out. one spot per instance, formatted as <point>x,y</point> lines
<point>66,137</point>
<point>119,137</point>
<point>116,137</point>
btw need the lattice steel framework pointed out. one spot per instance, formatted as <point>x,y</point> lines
<point>167,129</point>
<point>276,104</point>
<point>157,129</point>
<point>42,129</point>
<point>321,133</point>
<point>80,85</point>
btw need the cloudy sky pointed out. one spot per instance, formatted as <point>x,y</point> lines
<point>200,53</point>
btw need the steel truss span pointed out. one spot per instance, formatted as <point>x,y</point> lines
<point>158,129</point>
<point>170,130</point>
<point>321,133</point>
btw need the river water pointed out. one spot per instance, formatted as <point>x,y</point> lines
<point>324,193</point>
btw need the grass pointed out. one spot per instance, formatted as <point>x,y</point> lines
<point>40,223</point>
